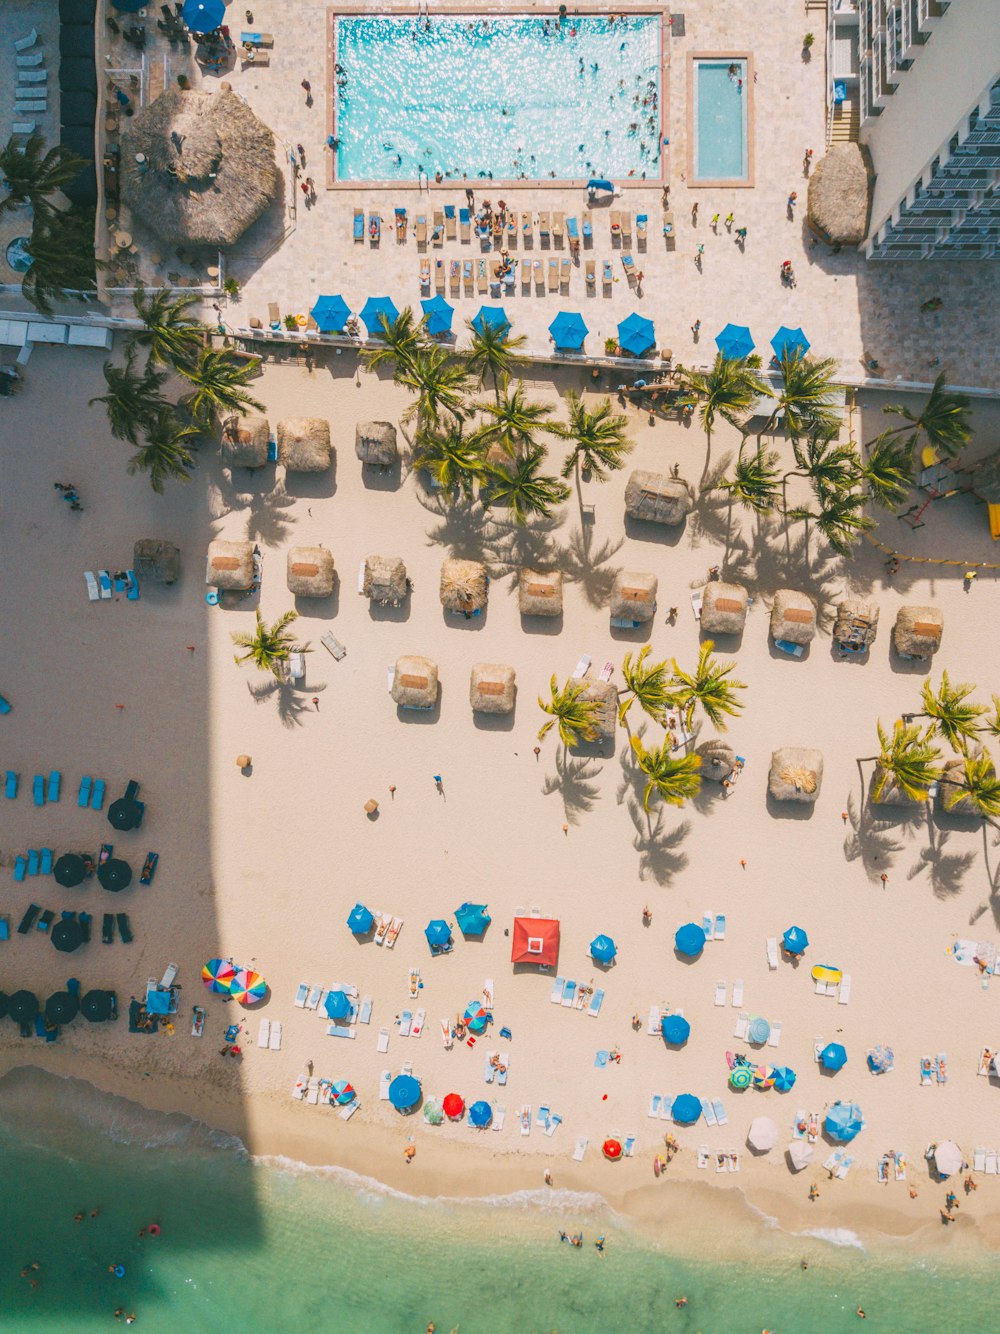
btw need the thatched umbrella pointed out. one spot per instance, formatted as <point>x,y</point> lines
<point>840,189</point>
<point>375,443</point>
<point>491,688</point>
<point>310,572</point>
<point>415,682</point>
<point>917,632</point>
<point>304,444</point>
<point>796,774</point>
<point>230,564</point>
<point>723,608</point>
<point>384,580</point>
<point>718,759</point>
<point>540,593</point>
<point>463,586</point>
<point>657,498</point>
<point>157,560</point>
<point>205,168</point>
<point>793,617</point>
<point>605,696</point>
<point>952,783</point>
<point>856,625</point>
<point>633,596</point>
<point>245,440</point>
<point>892,794</point>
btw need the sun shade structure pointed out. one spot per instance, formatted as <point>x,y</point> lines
<point>741,1076</point>
<point>438,934</point>
<point>491,317</point>
<point>404,1092</point>
<point>833,1056</point>
<point>230,565</point>
<point>433,1114</point>
<point>723,608</point>
<point>763,1077</point>
<point>796,774</point>
<point>98,1006</point>
<point>115,875</point>
<point>373,311</point>
<point>341,1092</point>
<point>156,560</point>
<point>491,688</point>
<point>735,342</point>
<point>535,940</point>
<point>789,343</point>
<point>218,975</point>
<point>472,919</point>
<point>23,1007</point>
<point>70,870</point>
<point>840,195</point>
<point>675,1029</point>
<point>360,920</point>
<point>337,1005</point>
<point>244,441</point>
<point>125,813</point>
<point>825,972</point>
<point>248,987</point>
<point>636,335</point>
<point>304,444</point>
<point>800,1154</point>
<point>856,625</point>
<point>758,1031</point>
<point>203,15</point>
<point>784,1078</point>
<point>686,1109</point>
<point>689,940</point>
<point>603,949</point>
<point>310,572</point>
<point>655,497</point>
<point>438,315</point>
<point>917,632</point>
<point>206,171</point>
<point>415,682</point>
<point>475,1017</point>
<point>463,586</point>
<point>568,330</point>
<point>384,580</point>
<point>480,1114</point>
<point>795,940</point>
<point>61,1007</point>
<point>793,617</point>
<point>880,1059</point>
<point>605,696</point>
<point>633,596</point>
<point>330,314</point>
<point>540,593</point>
<point>763,1134</point>
<point>612,1149</point>
<point>948,1158</point>
<point>718,759</point>
<point>843,1121</point>
<point>375,444</point>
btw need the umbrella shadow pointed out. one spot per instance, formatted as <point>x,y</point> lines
<point>875,843</point>
<point>585,564</point>
<point>574,781</point>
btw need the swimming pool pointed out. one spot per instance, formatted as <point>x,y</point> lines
<point>721,138</point>
<point>502,99</point>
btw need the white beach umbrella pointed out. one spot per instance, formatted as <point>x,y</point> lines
<point>948,1158</point>
<point>763,1134</point>
<point>800,1153</point>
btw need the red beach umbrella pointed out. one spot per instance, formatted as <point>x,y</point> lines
<point>453,1105</point>
<point>612,1149</point>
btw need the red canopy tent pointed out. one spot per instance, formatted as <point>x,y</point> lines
<point>536,940</point>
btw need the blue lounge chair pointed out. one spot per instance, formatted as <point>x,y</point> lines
<point>104,577</point>
<point>628,264</point>
<point>573,232</point>
<point>46,919</point>
<point>124,930</point>
<point>588,230</point>
<point>108,929</point>
<point>86,783</point>
<point>20,868</point>
<point>38,789</point>
<point>374,228</point>
<point>786,646</point>
<point>464,222</point>
<point>49,1034</point>
<point>359,224</point>
<point>607,275</point>
<point>97,800</point>
<point>55,778</point>
<point>132,585</point>
<point>32,861</point>
<point>4,705</point>
<point>84,920</point>
<point>4,927</point>
<point>46,861</point>
<point>28,920</point>
<point>149,868</point>
<point>10,785</point>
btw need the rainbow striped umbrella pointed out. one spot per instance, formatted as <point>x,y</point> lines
<point>763,1077</point>
<point>218,975</point>
<point>475,1017</point>
<point>740,1076</point>
<point>341,1092</point>
<point>248,987</point>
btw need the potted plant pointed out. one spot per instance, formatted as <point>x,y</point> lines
<point>611,347</point>
<point>807,42</point>
<point>231,287</point>
<point>290,323</point>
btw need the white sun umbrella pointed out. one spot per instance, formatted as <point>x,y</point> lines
<point>763,1134</point>
<point>948,1158</point>
<point>799,1154</point>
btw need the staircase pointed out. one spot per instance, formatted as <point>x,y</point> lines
<point>845,122</point>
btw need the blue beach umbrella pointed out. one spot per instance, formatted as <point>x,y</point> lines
<point>480,1114</point>
<point>675,1029</point>
<point>472,919</point>
<point>438,933</point>
<point>636,335</point>
<point>686,1109</point>
<point>795,940</point>
<point>758,1031</point>
<point>689,940</point>
<point>789,343</point>
<point>475,1017</point>
<point>404,1092</point>
<point>374,308</point>
<point>784,1078</point>
<point>843,1121</point>
<point>337,1005</point>
<point>203,15</point>
<point>330,313</point>
<point>438,314</point>
<point>492,317</point>
<point>360,921</point>
<point>568,330</point>
<point>735,341</point>
<point>342,1092</point>
<point>603,949</point>
<point>833,1056</point>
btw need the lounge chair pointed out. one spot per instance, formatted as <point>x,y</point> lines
<point>607,277</point>
<point>454,277</point>
<point>439,276</point>
<point>616,225</point>
<point>274,1042</point>
<point>28,920</point>
<point>124,930</point>
<point>590,276</point>
<point>569,994</point>
<point>29,62</point>
<point>774,1037</point>
<point>104,579</point>
<point>38,789</point>
<point>580,1149</point>
<point>420,229</point>
<point>737,993</point>
<point>555,1121</point>
<point>845,1165</point>
<point>553,275</point>
<point>558,228</point>
<point>626,219</point>
<point>464,224</point>
<point>666,1106</point>
<point>489,1068</point>
<point>573,232</point>
<point>668,224</point>
<point>10,785</point>
<point>641,226</point>
<point>793,650</point>
<point>527,229</point>
<point>742,1023</point>
<point>45,862</point>
<point>481,276</point>
<point>299,1087</point>
<point>32,77</point>
<point>32,861</point>
<point>383,1041</point>
<point>312,1092</point>
<point>525,1115</point>
<point>708,1112</point>
<point>772,952</point>
<point>594,1008</point>
<point>991,1162</point>
<point>844,990</point>
<point>264,1033</point>
<point>654,1106</point>
<point>86,784</point>
<point>720,1112</point>
<point>20,868</point>
<point>365,1011</point>
<point>149,868</point>
<point>108,929</point>
<point>23,127</point>
<point>940,1065</point>
<point>720,993</point>
<point>375,228</point>
<point>93,590</point>
<point>401,220</point>
<point>449,222</point>
<point>539,276</point>
<point>628,264</point>
<point>653,1021</point>
<point>418,1023</point>
<point>359,235</point>
<point>588,229</point>
<point>405,1023</point>
<point>526,273</point>
<point>97,800</point>
<point>23,43</point>
<point>544,229</point>
<point>564,272</point>
<point>979,1160</point>
<point>425,273</point>
<point>395,926</point>
<point>499,1115</point>
<point>467,277</point>
<point>301,995</point>
<point>720,927</point>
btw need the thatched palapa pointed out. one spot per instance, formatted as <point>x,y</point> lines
<point>840,188</point>
<point>245,440</point>
<point>230,564</point>
<point>384,580</point>
<point>463,586</point>
<point>154,559</point>
<point>917,632</point>
<point>540,593</point>
<point>375,443</point>
<point>415,682</point>
<point>304,444</point>
<point>310,572</point>
<point>633,596</point>
<point>657,498</point>
<point>793,617</point>
<point>605,696</point>
<point>856,625</point>
<point>718,759</point>
<point>723,608</point>
<point>206,167</point>
<point>892,794</point>
<point>796,774</point>
<point>491,688</point>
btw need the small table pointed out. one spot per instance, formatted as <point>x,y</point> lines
<point>123,240</point>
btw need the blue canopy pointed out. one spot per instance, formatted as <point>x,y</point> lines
<point>438,314</point>
<point>373,309</point>
<point>438,933</point>
<point>735,341</point>
<point>203,15</point>
<point>789,343</point>
<point>472,919</point>
<point>480,1114</point>
<point>158,1002</point>
<point>675,1029</point>
<point>337,1005</point>
<point>360,921</point>
<point>598,183</point>
<point>833,1056</point>
<point>759,1030</point>
<point>404,1092</point>
<point>492,317</point>
<point>795,940</point>
<point>686,1109</point>
<point>636,335</point>
<point>689,940</point>
<point>784,1078</point>
<point>843,1121</point>
<point>603,949</point>
<point>330,313</point>
<point>568,330</point>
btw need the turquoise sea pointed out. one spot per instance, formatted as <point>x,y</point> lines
<point>270,1247</point>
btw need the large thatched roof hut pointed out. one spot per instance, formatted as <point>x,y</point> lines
<point>384,580</point>
<point>952,790</point>
<point>892,794</point>
<point>156,560</point>
<point>245,440</point>
<point>917,632</point>
<point>840,194</point>
<point>796,774</point>
<point>657,498</point>
<point>540,593</point>
<point>491,688</point>
<point>463,586</point>
<point>310,572</point>
<point>415,682</point>
<point>633,596</point>
<point>230,564</point>
<point>304,444</point>
<point>205,168</point>
<point>375,443</point>
<point>856,625</point>
<point>605,696</point>
<point>718,759</point>
<point>723,608</point>
<point>793,617</point>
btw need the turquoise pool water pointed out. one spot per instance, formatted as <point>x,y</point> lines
<point>721,121</point>
<point>506,98</point>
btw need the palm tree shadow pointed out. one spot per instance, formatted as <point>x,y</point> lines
<point>659,857</point>
<point>991,904</point>
<point>708,520</point>
<point>583,564</point>
<point>460,528</point>
<point>872,842</point>
<point>266,520</point>
<point>946,870</point>
<point>573,780</point>
<point>511,547</point>
<point>291,703</point>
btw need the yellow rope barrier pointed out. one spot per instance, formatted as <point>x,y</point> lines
<point>930,560</point>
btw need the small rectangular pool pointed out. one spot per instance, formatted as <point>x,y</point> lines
<point>720,121</point>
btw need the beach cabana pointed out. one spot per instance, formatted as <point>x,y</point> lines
<point>917,632</point>
<point>491,688</point>
<point>833,1056</point>
<point>375,444</point>
<point>384,580</point>
<point>762,1135</point>
<point>603,949</point>
<point>535,940</point>
<point>686,1109</point>
<point>689,940</point>
<point>795,941</point>
<point>415,682</point>
<point>655,497</point>
<point>472,918</point>
<point>675,1029</point>
<point>404,1092</point>
<point>360,920</point>
<point>856,625</point>
<point>540,593</point>
<point>330,314</point>
<point>304,444</point>
<point>310,572</point>
<point>605,696</point>
<point>718,759</point>
<point>843,1121</point>
<point>243,442</point>
<point>463,587</point>
<point>156,560</point>
<point>230,564</point>
<point>723,608</point>
<point>633,597</point>
<point>796,774</point>
<point>793,617</point>
<point>948,1158</point>
<point>800,1154</point>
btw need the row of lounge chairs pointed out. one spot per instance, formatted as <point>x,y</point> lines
<point>91,792</point>
<point>726,1160</point>
<point>32,92</point>
<point>449,224</point>
<point>469,276</point>
<point>104,584</point>
<point>567,993</point>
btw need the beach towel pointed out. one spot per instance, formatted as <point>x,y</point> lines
<point>601,1059</point>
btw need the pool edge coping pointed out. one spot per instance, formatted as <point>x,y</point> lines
<point>738,183</point>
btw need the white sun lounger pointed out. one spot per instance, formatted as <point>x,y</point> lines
<point>654,1106</point>
<point>720,1112</point>
<point>704,1157</point>
<point>696,603</point>
<point>302,995</point>
<point>447,1040</point>
<point>846,1163</point>
<point>569,993</point>
<point>720,993</point>
<point>581,1149</point>
<point>275,1041</point>
<point>772,952</point>
<point>737,993</point>
<point>979,1160</point>
<point>775,1035</point>
<point>405,1023</point>
<point>504,1069</point>
<point>742,1023</point>
<point>334,1030</point>
<point>708,923</point>
<point>395,926</point>
<point>653,1023</point>
<point>385,1079</point>
<point>833,1161</point>
<point>597,1000</point>
<point>365,1012</point>
<point>818,1045</point>
<point>312,1000</point>
<point>582,667</point>
<point>383,1040</point>
<point>708,1111</point>
<point>418,1023</point>
<point>489,1069</point>
<point>499,1114</point>
<point>991,1162</point>
<point>844,991</point>
<point>666,1106</point>
<point>554,1122</point>
<point>720,927</point>
<point>799,1125</point>
<point>299,1088</point>
<point>93,591</point>
<point>556,994</point>
<point>23,43</point>
<point>488,993</point>
<point>347,1112</point>
<point>312,1097</point>
<point>525,1115</point>
<point>264,1033</point>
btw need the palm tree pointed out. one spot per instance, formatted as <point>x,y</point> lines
<point>454,462</point>
<point>754,484</point>
<point>806,397</point>
<point>576,719</point>
<point>29,174</point>
<point>164,453</point>
<point>520,487</point>
<point>218,376</point>
<point>707,686</point>
<point>888,470</point>
<point>438,380</point>
<point>952,718</point>
<point>647,686</point>
<point>993,721</point>
<point>512,422</point>
<point>672,778</point>
<point>729,390</point>
<point>133,399</point>
<point>601,442</point>
<point>170,336</point>
<point>401,339</point>
<point>907,759</point>
<point>943,421</point>
<point>978,789</point>
<point>63,263</point>
<point>831,467</point>
<point>840,519</point>
<point>492,352</point>
<point>269,646</point>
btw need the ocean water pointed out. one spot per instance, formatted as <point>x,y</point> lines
<point>273,1247</point>
<point>721,127</point>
